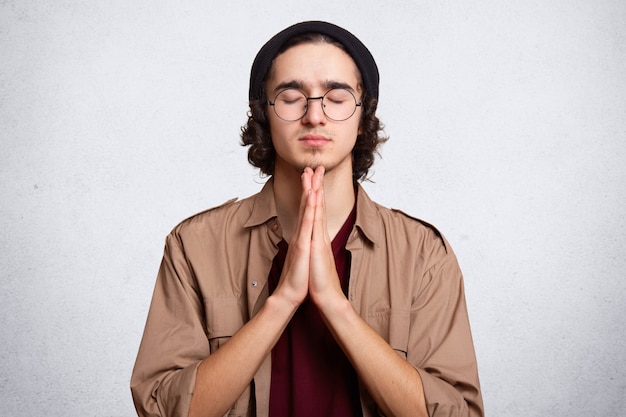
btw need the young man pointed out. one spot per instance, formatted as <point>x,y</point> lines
<point>308,299</point>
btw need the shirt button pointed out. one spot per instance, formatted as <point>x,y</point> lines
<point>255,283</point>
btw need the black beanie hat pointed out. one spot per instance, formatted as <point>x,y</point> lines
<point>353,46</point>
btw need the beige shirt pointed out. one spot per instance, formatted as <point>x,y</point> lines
<point>405,282</point>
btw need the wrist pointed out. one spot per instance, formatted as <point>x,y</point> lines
<point>280,305</point>
<point>333,304</point>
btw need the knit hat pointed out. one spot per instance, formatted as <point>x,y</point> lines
<point>353,46</point>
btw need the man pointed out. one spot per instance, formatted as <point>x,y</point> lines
<point>308,299</point>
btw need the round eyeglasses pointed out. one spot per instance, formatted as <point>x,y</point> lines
<point>291,104</point>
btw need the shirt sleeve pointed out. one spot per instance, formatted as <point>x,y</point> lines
<point>174,340</point>
<point>441,345</point>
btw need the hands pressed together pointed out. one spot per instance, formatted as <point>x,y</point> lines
<point>310,267</point>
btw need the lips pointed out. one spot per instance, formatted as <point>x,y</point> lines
<point>314,140</point>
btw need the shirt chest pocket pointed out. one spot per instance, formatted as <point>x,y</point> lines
<point>224,317</point>
<point>393,325</point>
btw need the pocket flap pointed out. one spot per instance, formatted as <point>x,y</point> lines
<point>224,316</point>
<point>393,326</point>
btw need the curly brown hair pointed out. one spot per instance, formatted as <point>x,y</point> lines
<point>256,133</point>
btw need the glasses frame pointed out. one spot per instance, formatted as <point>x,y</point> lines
<point>321,98</point>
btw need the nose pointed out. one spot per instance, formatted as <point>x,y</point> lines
<point>314,114</point>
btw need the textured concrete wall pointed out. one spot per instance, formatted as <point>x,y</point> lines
<point>508,131</point>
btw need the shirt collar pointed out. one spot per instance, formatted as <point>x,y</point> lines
<point>367,217</point>
<point>264,209</point>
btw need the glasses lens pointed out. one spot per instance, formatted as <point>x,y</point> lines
<point>339,104</point>
<point>290,104</point>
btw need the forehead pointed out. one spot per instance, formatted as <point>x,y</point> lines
<point>314,65</point>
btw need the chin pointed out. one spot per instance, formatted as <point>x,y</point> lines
<point>312,163</point>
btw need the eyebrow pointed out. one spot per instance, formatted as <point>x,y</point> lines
<point>300,85</point>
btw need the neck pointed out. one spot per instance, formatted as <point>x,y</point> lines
<point>338,191</point>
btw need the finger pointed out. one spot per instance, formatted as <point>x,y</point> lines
<point>317,181</point>
<point>305,178</point>
<point>305,227</point>
<point>317,184</point>
<point>320,232</point>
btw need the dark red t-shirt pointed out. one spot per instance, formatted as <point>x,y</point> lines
<point>311,376</point>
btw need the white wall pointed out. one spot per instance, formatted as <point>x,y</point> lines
<point>508,123</point>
